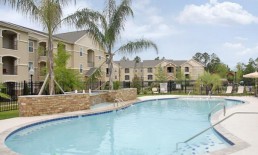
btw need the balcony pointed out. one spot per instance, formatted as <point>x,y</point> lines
<point>9,65</point>
<point>9,40</point>
<point>90,64</point>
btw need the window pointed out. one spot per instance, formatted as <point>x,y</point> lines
<point>107,57</point>
<point>81,68</point>
<point>149,70</point>
<point>115,77</point>
<point>127,70</point>
<point>99,57</point>
<point>107,71</point>
<point>31,47</point>
<point>135,70</point>
<point>30,66</point>
<point>150,77</point>
<point>170,69</point>
<point>81,51</point>
<point>186,69</point>
<point>127,77</point>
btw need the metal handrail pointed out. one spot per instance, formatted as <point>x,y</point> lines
<point>214,108</point>
<point>118,100</point>
<point>212,126</point>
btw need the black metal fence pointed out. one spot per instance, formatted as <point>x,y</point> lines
<point>14,90</point>
<point>145,87</point>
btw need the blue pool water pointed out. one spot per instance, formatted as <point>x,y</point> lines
<point>147,128</point>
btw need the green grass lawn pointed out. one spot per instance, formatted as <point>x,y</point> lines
<point>9,114</point>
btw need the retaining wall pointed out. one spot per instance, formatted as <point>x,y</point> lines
<point>52,104</point>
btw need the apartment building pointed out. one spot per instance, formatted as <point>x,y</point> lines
<point>147,69</point>
<point>24,49</point>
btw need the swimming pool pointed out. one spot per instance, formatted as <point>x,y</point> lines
<point>151,127</point>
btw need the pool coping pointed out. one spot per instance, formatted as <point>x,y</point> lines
<point>239,143</point>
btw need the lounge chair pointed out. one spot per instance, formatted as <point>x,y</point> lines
<point>155,90</point>
<point>163,88</point>
<point>229,89</point>
<point>240,89</point>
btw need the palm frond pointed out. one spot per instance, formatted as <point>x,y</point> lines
<point>28,7</point>
<point>118,20</point>
<point>85,18</point>
<point>109,9</point>
<point>137,46</point>
<point>97,37</point>
<point>50,14</point>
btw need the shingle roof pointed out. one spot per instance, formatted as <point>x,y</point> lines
<point>151,63</point>
<point>19,27</point>
<point>90,72</point>
<point>71,36</point>
<point>128,63</point>
<point>28,30</point>
<point>146,63</point>
<point>177,62</point>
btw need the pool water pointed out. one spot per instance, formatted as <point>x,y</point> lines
<point>148,128</point>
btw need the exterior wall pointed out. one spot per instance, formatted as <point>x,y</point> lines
<point>46,105</point>
<point>195,69</point>
<point>20,54</point>
<point>116,73</point>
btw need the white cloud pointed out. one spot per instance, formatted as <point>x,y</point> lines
<point>213,12</point>
<point>239,49</point>
<point>148,24</point>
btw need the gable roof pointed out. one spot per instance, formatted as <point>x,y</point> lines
<point>29,30</point>
<point>128,63</point>
<point>151,63</point>
<point>71,36</point>
<point>147,63</point>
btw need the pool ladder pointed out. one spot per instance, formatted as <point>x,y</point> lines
<point>212,126</point>
<point>117,101</point>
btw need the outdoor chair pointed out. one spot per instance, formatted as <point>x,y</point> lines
<point>155,90</point>
<point>229,89</point>
<point>240,89</point>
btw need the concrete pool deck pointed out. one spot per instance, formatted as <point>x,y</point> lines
<point>243,128</point>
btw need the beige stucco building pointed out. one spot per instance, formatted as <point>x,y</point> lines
<point>23,49</point>
<point>148,69</point>
<point>20,52</point>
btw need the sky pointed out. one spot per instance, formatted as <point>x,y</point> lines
<point>180,28</point>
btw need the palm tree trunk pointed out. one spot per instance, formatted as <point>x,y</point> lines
<point>110,68</point>
<point>51,65</point>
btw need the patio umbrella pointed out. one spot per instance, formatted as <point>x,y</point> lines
<point>253,75</point>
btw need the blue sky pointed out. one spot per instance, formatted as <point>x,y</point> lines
<point>181,28</point>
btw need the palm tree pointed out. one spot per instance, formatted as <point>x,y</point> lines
<point>49,13</point>
<point>107,31</point>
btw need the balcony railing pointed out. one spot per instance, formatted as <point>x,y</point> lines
<point>13,71</point>
<point>11,45</point>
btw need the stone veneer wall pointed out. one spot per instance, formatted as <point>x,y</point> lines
<point>46,104</point>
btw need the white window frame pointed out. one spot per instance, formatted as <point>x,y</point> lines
<point>127,69</point>
<point>128,77</point>
<point>30,66</point>
<point>30,41</point>
<point>150,76</point>
<point>81,51</point>
<point>81,68</point>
